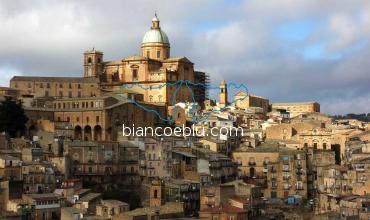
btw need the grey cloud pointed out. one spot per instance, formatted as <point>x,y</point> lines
<point>49,37</point>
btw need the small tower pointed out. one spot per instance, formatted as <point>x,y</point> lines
<point>93,63</point>
<point>223,94</point>
<point>156,195</point>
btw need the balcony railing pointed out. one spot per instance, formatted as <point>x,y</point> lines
<point>252,163</point>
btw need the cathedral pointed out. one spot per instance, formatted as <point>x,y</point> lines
<point>155,74</point>
<point>95,106</point>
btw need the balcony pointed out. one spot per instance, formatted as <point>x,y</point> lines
<point>273,185</point>
<point>285,167</point>
<point>360,168</point>
<point>299,188</point>
<point>215,165</point>
<point>299,172</point>
<point>252,163</point>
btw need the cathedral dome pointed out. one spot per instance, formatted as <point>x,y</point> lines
<point>155,36</point>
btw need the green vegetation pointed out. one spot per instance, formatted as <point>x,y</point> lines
<point>12,117</point>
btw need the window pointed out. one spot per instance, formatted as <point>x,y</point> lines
<point>70,94</point>
<point>97,119</point>
<point>70,86</point>
<point>159,98</point>
<point>46,93</point>
<point>68,119</point>
<point>60,93</point>
<point>89,60</point>
<point>155,194</point>
<point>41,85</point>
<point>214,217</point>
<point>148,54</point>
<point>16,85</point>
<point>324,146</point>
<point>87,119</point>
<point>77,119</point>
<point>99,60</point>
<point>29,85</point>
<point>150,98</point>
<point>48,85</point>
<point>134,74</point>
<point>231,218</point>
<point>315,146</point>
<point>186,73</point>
<point>60,85</point>
<point>90,169</point>
<point>158,54</point>
<point>79,94</point>
<point>79,86</point>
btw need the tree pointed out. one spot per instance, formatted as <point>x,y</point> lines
<point>12,117</point>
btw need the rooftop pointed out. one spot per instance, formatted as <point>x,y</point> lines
<point>168,208</point>
<point>56,79</point>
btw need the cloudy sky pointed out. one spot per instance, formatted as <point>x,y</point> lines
<point>286,50</point>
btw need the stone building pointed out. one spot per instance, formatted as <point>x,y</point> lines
<point>46,206</point>
<point>60,87</point>
<point>158,158</point>
<point>287,176</point>
<point>10,167</point>
<point>110,208</point>
<point>38,177</point>
<point>105,162</point>
<point>297,108</point>
<point>282,169</point>
<point>244,100</point>
<point>92,118</point>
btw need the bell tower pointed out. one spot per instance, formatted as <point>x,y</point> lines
<point>93,63</point>
<point>157,194</point>
<point>223,94</point>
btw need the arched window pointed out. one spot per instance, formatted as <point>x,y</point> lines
<point>89,60</point>
<point>155,194</point>
<point>159,98</point>
<point>150,98</point>
<point>158,54</point>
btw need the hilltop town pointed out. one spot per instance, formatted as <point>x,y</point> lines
<point>73,160</point>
